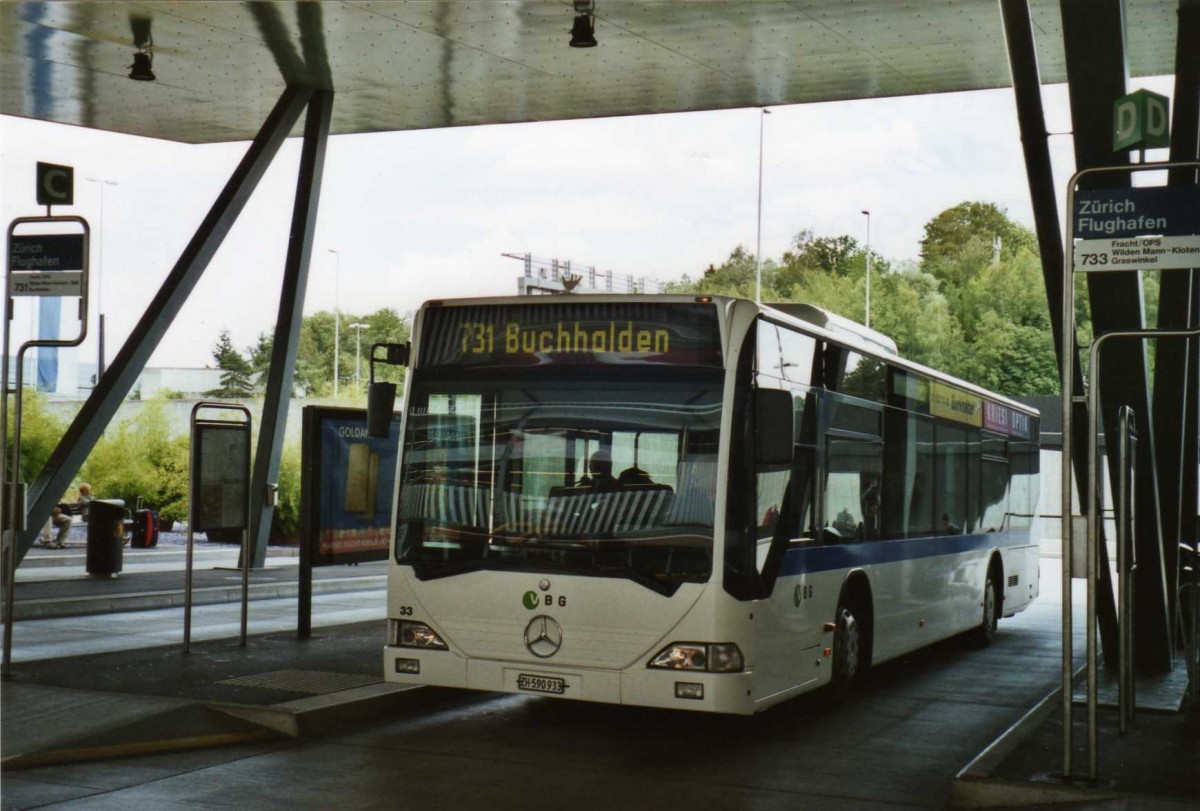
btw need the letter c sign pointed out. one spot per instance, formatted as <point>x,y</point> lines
<point>55,184</point>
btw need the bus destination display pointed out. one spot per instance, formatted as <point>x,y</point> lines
<point>572,334</point>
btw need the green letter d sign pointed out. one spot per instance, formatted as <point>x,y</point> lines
<point>1140,121</point>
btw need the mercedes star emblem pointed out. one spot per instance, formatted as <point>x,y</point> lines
<point>543,636</point>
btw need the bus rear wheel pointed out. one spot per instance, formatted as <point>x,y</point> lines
<point>985,632</point>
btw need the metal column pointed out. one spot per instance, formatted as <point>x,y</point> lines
<point>1126,565</point>
<point>1022,58</point>
<point>119,378</point>
<point>1093,35</point>
<point>287,327</point>
<point>1177,363</point>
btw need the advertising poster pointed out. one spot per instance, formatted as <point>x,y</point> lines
<point>352,482</point>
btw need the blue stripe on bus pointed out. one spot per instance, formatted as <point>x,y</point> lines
<point>801,559</point>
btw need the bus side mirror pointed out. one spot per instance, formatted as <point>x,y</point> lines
<point>381,402</point>
<point>381,396</point>
<point>774,432</point>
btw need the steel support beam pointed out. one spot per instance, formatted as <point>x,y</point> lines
<point>1094,39</point>
<point>1177,363</point>
<point>1031,118</point>
<point>281,372</point>
<point>112,389</point>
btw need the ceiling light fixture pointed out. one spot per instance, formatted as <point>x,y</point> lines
<point>143,59</point>
<point>140,70</point>
<point>583,32</point>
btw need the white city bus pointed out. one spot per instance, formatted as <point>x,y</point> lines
<point>692,502</point>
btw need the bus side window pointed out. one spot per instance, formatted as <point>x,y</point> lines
<point>952,479</point>
<point>853,489</point>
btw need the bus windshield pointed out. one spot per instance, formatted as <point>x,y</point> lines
<point>586,476</point>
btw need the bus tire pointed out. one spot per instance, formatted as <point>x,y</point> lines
<point>848,648</point>
<point>985,632</point>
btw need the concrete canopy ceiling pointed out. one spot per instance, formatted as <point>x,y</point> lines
<point>415,64</point>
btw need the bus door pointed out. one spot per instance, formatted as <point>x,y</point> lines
<point>786,536</point>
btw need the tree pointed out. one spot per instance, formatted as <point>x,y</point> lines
<point>41,431</point>
<point>733,277</point>
<point>235,369</point>
<point>1009,358</point>
<point>840,255</point>
<point>950,233</point>
<point>260,354</point>
<point>911,310</point>
<point>314,354</point>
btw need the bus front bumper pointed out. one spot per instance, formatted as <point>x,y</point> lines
<point>639,686</point>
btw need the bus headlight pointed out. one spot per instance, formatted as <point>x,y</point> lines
<point>408,634</point>
<point>723,657</point>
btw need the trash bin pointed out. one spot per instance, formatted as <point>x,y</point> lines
<point>105,537</point>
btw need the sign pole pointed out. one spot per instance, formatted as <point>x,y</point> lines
<point>67,256</point>
<point>1113,223</point>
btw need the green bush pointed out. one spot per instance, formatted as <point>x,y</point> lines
<point>285,519</point>
<point>141,459</point>
<point>40,433</point>
<point>172,497</point>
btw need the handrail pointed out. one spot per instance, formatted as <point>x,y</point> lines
<point>1126,579</point>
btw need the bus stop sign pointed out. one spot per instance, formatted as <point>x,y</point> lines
<point>46,264</point>
<point>55,184</point>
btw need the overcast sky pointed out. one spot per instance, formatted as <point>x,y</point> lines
<point>427,214</point>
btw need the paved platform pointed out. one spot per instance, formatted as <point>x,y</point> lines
<point>55,582</point>
<point>87,688</point>
<point>98,669</point>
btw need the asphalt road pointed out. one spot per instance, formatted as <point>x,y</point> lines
<point>896,744</point>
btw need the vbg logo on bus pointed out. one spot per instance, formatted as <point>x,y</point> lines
<point>802,593</point>
<point>531,600</point>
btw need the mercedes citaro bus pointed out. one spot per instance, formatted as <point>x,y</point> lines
<point>693,502</point>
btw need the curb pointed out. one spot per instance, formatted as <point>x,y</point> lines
<point>975,787</point>
<point>302,718</point>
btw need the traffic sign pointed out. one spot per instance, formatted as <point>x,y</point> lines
<point>55,184</point>
<point>1146,228</point>
<point>45,252</point>
<point>1140,121</point>
<point>46,264</point>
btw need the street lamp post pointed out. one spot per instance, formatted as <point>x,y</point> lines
<point>337,315</point>
<point>99,269</point>
<point>758,247</point>
<point>867,320</point>
<point>358,327</point>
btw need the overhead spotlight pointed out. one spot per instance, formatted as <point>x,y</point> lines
<point>140,70</point>
<point>583,32</point>
<point>143,40</point>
